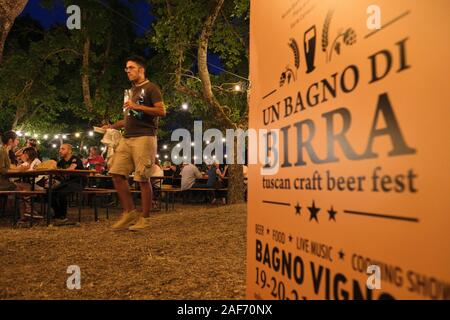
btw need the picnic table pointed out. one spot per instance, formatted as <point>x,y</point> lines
<point>51,175</point>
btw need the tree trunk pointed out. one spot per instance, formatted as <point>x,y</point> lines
<point>235,180</point>
<point>202,57</point>
<point>235,176</point>
<point>235,184</point>
<point>9,10</point>
<point>85,76</point>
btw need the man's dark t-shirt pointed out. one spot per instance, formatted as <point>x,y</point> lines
<point>63,164</point>
<point>143,124</point>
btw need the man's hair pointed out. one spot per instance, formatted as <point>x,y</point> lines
<point>7,136</point>
<point>137,59</point>
<point>69,146</point>
<point>31,153</point>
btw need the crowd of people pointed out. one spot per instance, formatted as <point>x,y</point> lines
<point>133,153</point>
<point>28,158</point>
<point>15,158</point>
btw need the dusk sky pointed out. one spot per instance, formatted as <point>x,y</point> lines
<point>57,14</point>
<point>141,10</point>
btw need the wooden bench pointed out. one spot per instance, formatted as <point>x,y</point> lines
<point>171,192</point>
<point>17,195</point>
<point>96,192</point>
<point>206,190</point>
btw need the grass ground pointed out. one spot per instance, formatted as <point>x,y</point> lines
<point>194,252</point>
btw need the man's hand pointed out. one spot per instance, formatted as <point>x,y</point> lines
<point>130,105</point>
<point>118,125</point>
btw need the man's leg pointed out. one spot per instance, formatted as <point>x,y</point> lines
<point>123,190</point>
<point>55,205</point>
<point>63,204</point>
<point>146,198</point>
<point>143,154</point>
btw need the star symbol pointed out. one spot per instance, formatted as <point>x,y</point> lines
<point>297,209</point>
<point>332,214</point>
<point>341,254</point>
<point>313,211</point>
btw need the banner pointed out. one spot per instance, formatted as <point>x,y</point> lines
<point>358,203</point>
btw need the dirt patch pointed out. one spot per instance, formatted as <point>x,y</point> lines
<point>193,252</point>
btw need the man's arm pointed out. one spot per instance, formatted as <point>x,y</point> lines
<point>118,125</point>
<point>197,173</point>
<point>157,110</point>
<point>73,166</point>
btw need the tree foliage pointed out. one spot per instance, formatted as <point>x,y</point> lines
<point>176,36</point>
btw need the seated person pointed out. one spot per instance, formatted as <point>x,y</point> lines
<point>215,181</point>
<point>189,173</point>
<point>31,143</point>
<point>159,172</point>
<point>30,159</point>
<point>30,162</point>
<point>9,142</point>
<point>69,183</point>
<point>95,161</point>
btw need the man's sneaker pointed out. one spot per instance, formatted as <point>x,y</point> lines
<point>127,219</point>
<point>34,215</point>
<point>141,224</point>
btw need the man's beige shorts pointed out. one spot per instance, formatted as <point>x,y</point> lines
<point>135,154</point>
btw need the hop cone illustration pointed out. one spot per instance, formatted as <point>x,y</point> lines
<point>350,37</point>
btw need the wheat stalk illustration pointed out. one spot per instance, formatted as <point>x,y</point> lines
<point>294,46</point>
<point>326,30</point>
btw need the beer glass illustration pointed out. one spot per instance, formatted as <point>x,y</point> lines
<point>309,44</point>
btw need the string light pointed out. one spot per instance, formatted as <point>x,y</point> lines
<point>192,144</point>
<point>157,156</point>
<point>45,136</point>
<point>237,88</point>
<point>178,145</point>
<point>165,147</point>
<point>185,106</point>
<point>54,146</point>
<point>35,135</point>
<point>166,157</point>
<point>91,133</point>
<point>64,136</point>
<point>77,135</point>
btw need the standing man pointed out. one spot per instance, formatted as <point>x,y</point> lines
<point>137,149</point>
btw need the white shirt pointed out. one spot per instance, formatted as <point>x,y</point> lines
<point>188,175</point>
<point>32,165</point>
